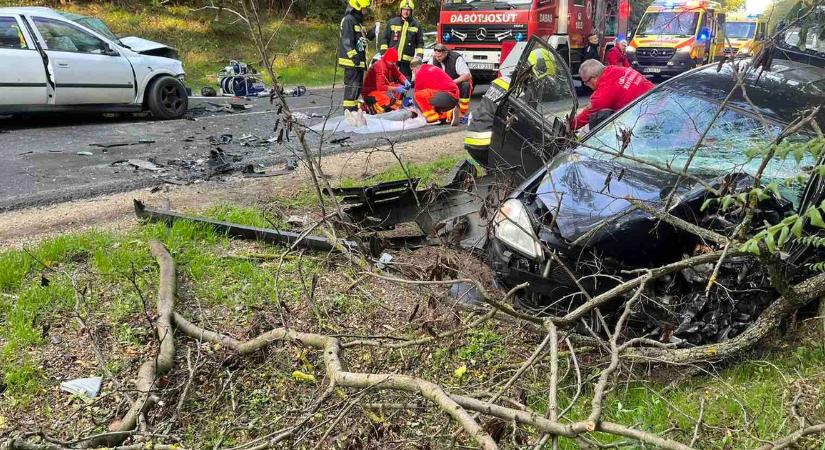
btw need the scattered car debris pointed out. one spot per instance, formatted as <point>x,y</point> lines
<point>249,171</point>
<point>145,165</point>
<point>208,91</point>
<point>297,221</point>
<point>88,387</point>
<point>85,153</point>
<point>383,261</point>
<point>466,293</point>
<point>452,213</point>
<point>267,235</point>
<point>220,140</point>
<point>291,163</point>
<point>123,144</point>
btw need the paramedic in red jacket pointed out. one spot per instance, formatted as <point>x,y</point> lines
<point>384,85</point>
<point>616,56</point>
<point>613,88</point>
<point>436,94</point>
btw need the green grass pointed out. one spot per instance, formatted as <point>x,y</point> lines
<point>304,51</point>
<point>104,267</point>
<point>427,172</point>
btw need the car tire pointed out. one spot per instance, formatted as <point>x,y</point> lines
<point>167,98</point>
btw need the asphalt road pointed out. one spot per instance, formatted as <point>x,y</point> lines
<point>41,163</point>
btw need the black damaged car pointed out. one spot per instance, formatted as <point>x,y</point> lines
<point>583,219</point>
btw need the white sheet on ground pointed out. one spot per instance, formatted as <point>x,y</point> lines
<point>379,123</point>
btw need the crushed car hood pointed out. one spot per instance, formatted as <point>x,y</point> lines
<point>148,47</point>
<point>582,192</point>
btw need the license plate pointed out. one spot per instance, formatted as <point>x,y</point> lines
<point>481,66</point>
<point>653,70</point>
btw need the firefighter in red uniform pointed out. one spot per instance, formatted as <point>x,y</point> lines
<point>436,94</point>
<point>404,34</point>
<point>456,67</point>
<point>616,56</point>
<point>613,88</point>
<point>385,85</point>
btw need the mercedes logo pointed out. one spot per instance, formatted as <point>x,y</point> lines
<point>654,53</point>
<point>481,34</point>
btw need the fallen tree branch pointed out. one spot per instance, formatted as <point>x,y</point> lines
<point>155,367</point>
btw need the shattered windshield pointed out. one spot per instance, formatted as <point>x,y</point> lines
<point>740,30</point>
<point>666,125</point>
<point>669,23</point>
<point>91,23</point>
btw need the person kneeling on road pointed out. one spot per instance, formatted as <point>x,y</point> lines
<point>613,88</point>
<point>436,94</point>
<point>385,85</point>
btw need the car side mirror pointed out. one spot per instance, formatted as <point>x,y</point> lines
<point>109,51</point>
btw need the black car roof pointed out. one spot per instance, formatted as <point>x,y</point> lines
<point>781,93</point>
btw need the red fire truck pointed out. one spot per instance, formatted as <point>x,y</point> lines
<point>485,31</point>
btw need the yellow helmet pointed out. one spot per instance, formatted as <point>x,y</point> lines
<point>360,4</point>
<point>542,63</point>
<point>407,4</point>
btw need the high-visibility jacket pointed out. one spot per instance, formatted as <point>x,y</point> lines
<point>480,129</point>
<point>616,87</point>
<point>431,77</point>
<point>404,35</point>
<point>352,29</point>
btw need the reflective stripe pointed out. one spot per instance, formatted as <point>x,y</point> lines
<point>350,103</point>
<point>357,28</point>
<point>477,142</point>
<point>352,53</point>
<point>464,100</point>
<point>383,46</point>
<point>348,63</point>
<point>502,83</point>
<point>402,43</point>
<point>412,29</point>
<point>406,58</point>
<point>419,51</point>
<point>395,27</point>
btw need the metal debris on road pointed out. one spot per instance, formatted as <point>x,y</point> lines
<point>85,153</point>
<point>123,144</point>
<point>145,165</point>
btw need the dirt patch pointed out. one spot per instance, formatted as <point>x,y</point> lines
<point>114,212</point>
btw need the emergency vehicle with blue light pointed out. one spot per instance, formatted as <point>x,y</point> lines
<point>676,36</point>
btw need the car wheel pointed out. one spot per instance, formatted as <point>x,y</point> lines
<point>167,98</point>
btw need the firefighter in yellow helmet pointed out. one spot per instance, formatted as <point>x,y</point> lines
<point>405,34</point>
<point>352,51</point>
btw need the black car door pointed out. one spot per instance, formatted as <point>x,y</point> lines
<point>531,124</point>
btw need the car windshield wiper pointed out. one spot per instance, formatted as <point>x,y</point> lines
<point>502,5</point>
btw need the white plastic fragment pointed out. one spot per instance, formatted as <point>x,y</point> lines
<point>89,387</point>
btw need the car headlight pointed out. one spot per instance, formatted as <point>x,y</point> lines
<point>744,50</point>
<point>630,49</point>
<point>512,226</point>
